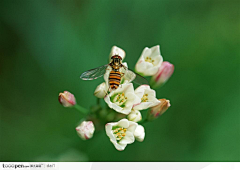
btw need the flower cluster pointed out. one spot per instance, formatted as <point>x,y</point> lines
<point>122,118</point>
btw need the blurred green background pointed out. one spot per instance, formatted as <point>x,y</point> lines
<point>47,44</point>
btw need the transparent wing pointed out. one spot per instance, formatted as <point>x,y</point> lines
<point>132,76</point>
<point>94,73</point>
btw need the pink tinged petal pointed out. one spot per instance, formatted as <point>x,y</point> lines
<point>159,109</point>
<point>128,139</point>
<point>164,73</point>
<point>67,99</point>
<point>86,136</point>
<point>85,130</point>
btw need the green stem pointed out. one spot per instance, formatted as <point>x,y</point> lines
<point>80,109</point>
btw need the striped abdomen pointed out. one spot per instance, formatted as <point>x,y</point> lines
<point>114,79</point>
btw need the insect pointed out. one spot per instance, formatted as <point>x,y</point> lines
<point>118,71</point>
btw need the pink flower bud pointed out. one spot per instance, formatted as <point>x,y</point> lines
<point>67,99</point>
<point>164,73</point>
<point>159,109</point>
<point>85,130</point>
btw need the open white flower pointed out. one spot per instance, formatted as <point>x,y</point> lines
<point>117,51</point>
<point>85,130</point>
<point>122,99</point>
<point>147,96</point>
<point>134,116</point>
<point>121,133</point>
<point>149,61</point>
<point>139,133</point>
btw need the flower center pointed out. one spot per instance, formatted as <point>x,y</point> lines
<point>149,59</point>
<point>145,98</point>
<point>119,133</point>
<point>120,99</point>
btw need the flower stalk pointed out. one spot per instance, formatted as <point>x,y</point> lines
<point>81,109</point>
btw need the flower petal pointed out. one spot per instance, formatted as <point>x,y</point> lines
<point>119,146</point>
<point>108,128</point>
<point>128,139</point>
<point>132,126</point>
<point>139,133</point>
<point>123,123</point>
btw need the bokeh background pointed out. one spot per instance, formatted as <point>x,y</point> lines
<point>47,44</point>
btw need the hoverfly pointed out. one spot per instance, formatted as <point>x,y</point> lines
<point>115,75</point>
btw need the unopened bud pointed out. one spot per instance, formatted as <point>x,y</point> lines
<point>85,130</point>
<point>159,109</point>
<point>134,116</point>
<point>164,73</point>
<point>101,90</point>
<point>67,99</point>
<point>139,133</point>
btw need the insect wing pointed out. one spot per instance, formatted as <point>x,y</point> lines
<point>94,73</point>
<point>136,78</point>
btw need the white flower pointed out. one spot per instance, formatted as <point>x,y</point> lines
<point>117,51</point>
<point>85,130</point>
<point>134,116</point>
<point>121,133</point>
<point>122,99</point>
<point>149,61</point>
<point>101,90</point>
<point>147,96</point>
<point>139,133</point>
